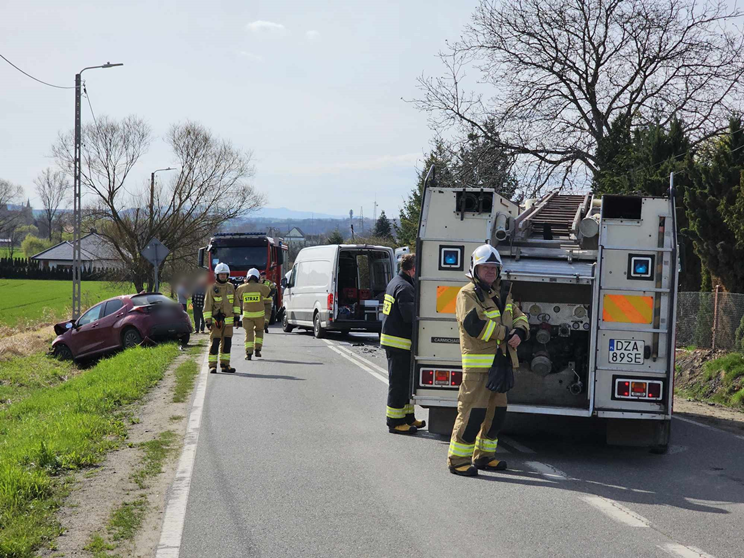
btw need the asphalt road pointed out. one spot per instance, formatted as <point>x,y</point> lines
<point>294,459</point>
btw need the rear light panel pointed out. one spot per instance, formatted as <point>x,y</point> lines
<point>440,377</point>
<point>638,389</point>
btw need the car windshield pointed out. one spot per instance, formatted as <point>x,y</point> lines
<point>144,300</point>
<point>239,258</point>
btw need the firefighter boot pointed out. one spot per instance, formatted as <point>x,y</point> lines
<point>405,429</point>
<point>419,424</point>
<point>466,470</point>
<point>226,369</point>
<point>258,353</point>
<point>249,357</point>
<point>489,464</point>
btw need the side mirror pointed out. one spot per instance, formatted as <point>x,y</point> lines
<point>284,283</point>
<point>201,257</point>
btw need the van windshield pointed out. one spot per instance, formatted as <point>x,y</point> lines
<point>240,258</point>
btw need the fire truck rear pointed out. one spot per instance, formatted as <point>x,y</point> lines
<point>597,279</point>
<point>243,251</point>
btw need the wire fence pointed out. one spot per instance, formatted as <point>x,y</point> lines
<point>710,320</point>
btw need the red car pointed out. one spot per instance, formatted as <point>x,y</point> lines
<point>119,323</point>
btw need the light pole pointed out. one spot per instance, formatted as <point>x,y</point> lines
<point>152,192</point>
<point>77,197</point>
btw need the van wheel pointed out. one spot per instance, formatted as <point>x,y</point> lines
<point>318,331</point>
<point>130,338</point>
<point>286,326</point>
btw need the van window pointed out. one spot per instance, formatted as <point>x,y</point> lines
<point>315,274</point>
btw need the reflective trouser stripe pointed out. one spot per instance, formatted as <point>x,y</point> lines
<point>409,409</point>
<point>212,358</point>
<point>395,342</point>
<point>259,340</point>
<point>207,315</point>
<point>249,315</point>
<point>249,344</point>
<point>395,413</point>
<point>489,330</point>
<point>477,361</point>
<point>486,444</point>
<point>236,309</point>
<point>229,321</point>
<point>461,450</point>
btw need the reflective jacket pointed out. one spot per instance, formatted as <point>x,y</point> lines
<point>485,325</point>
<point>251,297</point>
<point>220,297</point>
<point>269,299</point>
<point>398,311</point>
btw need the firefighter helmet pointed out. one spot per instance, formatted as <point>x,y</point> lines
<point>253,272</point>
<point>485,254</point>
<point>221,268</point>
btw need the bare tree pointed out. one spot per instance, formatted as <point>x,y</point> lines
<point>52,188</point>
<point>210,188</point>
<point>9,194</point>
<point>564,70</point>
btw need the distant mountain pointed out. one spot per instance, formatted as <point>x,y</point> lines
<point>284,213</point>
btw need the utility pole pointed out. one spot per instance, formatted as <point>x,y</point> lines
<point>77,217</point>
<point>152,193</point>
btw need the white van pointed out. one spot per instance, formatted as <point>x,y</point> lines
<point>338,287</point>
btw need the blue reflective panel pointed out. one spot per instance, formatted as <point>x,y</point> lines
<point>641,267</point>
<point>451,257</point>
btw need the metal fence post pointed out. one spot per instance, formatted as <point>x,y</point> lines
<point>715,317</point>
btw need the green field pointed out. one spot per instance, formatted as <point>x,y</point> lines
<point>17,253</point>
<point>24,302</point>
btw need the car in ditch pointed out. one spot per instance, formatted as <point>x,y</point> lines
<point>120,323</point>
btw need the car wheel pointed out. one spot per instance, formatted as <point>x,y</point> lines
<point>184,339</point>
<point>318,331</point>
<point>286,325</point>
<point>131,338</point>
<point>62,352</point>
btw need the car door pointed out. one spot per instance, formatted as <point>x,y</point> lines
<point>85,335</point>
<point>108,335</point>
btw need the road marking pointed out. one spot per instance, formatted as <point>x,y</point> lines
<point>171,534</point>
<point>684,551</point>
<point>708,426</point>
<point>516,445</point>
<point>547,470</point>
<point>368,362</point>
<point>356,362</point>
<point>615,511</point>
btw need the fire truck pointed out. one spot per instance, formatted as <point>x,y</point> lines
<point>243,251</point>
<point>597,278</point>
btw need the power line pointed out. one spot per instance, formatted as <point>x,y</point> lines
<point>32,77</point>
<point>85,90</point>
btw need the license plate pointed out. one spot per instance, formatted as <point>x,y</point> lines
<point>626,351</point>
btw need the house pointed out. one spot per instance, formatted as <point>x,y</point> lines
<point>95,253</point>
<point>295,236</point>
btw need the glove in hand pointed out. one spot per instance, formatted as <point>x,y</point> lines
<point>501,374</point>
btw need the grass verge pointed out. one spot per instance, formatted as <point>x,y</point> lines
<point>156,452</point>
<point>185,376</point>
<point>56,429</point>
<point>720,381</point>
<point>19,377</point>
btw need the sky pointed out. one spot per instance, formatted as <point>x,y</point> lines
<point>314,89</point>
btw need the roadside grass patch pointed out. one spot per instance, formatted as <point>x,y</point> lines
<point>126,519</point>
<point>21,376</point>
<point>185,376</point>
<point>64,427</point>
<point>156,452</point>
<point>721,381</point>
<point>175,418</point>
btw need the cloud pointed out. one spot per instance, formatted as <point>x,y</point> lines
<point>260,26</point>
<point>312,35</point>
<point>386,161</point>
<point>251,56</point>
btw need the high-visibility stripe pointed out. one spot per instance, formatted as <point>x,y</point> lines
<point>521,319</point>
<point>212,358</point>
<point>229,298</point>
<point>508,308</point>
<point>229,321</point>
<point>628,309</point>
<point>248,344</point>
<point>493,314</point>
<point>486,444</point>
<point>218,299</point>
<point>489,330</point>
<point>395,342</point>
<point>207,315</point>
<point>236,309</point>
<point>477,361</point>
<point>259,340</point>
<point>409,409</point>
<point>447,299</point>
<point>249,315</point>
<point>394,413</point>
<point>461,450</point>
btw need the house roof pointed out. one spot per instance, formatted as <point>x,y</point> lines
<point>298,232</point>
<point>93,247</point>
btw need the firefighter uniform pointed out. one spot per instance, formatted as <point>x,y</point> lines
<point>268,304</point>
<point>251,297</point>
<point>483,340</point>
<point>220,311</point>
<point>397,328</point>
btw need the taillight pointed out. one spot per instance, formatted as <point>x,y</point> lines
<point>654,390</point>
<point>623,389</point>
<point>639,390</point>
<point>455,378</point>
<point>330,302</point>
<point>441,377</point>
<point>141,309</point>
<point>427,377</point>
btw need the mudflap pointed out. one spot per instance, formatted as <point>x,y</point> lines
<point>442,420</point>
<point>653,434</point>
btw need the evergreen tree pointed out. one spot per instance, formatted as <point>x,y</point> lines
<point>335,238</point>
<point>715,208</point>
<point>383,229</point>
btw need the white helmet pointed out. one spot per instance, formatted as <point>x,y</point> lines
<point>485,254</point>
<point>221,268</point>
<point>253,272</point>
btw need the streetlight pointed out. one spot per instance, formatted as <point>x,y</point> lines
<point>152,191</point>
<point>77,197</point>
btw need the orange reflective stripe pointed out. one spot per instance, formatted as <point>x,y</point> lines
<point>447,299</point>
<point>628,309</point>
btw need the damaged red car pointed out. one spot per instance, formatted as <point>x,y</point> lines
<point>119,323</point>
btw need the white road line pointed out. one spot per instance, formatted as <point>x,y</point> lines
<point>708,426</point>
<point>684,551</point>
<point>547,470</point>
<point>615,511</point>
<point>516,445</point>
<point>356,362</point>
<point>368,362</point>
<point>175,507</point>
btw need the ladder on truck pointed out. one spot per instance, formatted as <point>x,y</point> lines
<point>556,217</point>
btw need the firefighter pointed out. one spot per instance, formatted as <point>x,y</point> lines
<point>268,301</point>
<point>491,328</point>
<point>220,312</point>
<point>397,327</point>
<point>251,295</point>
